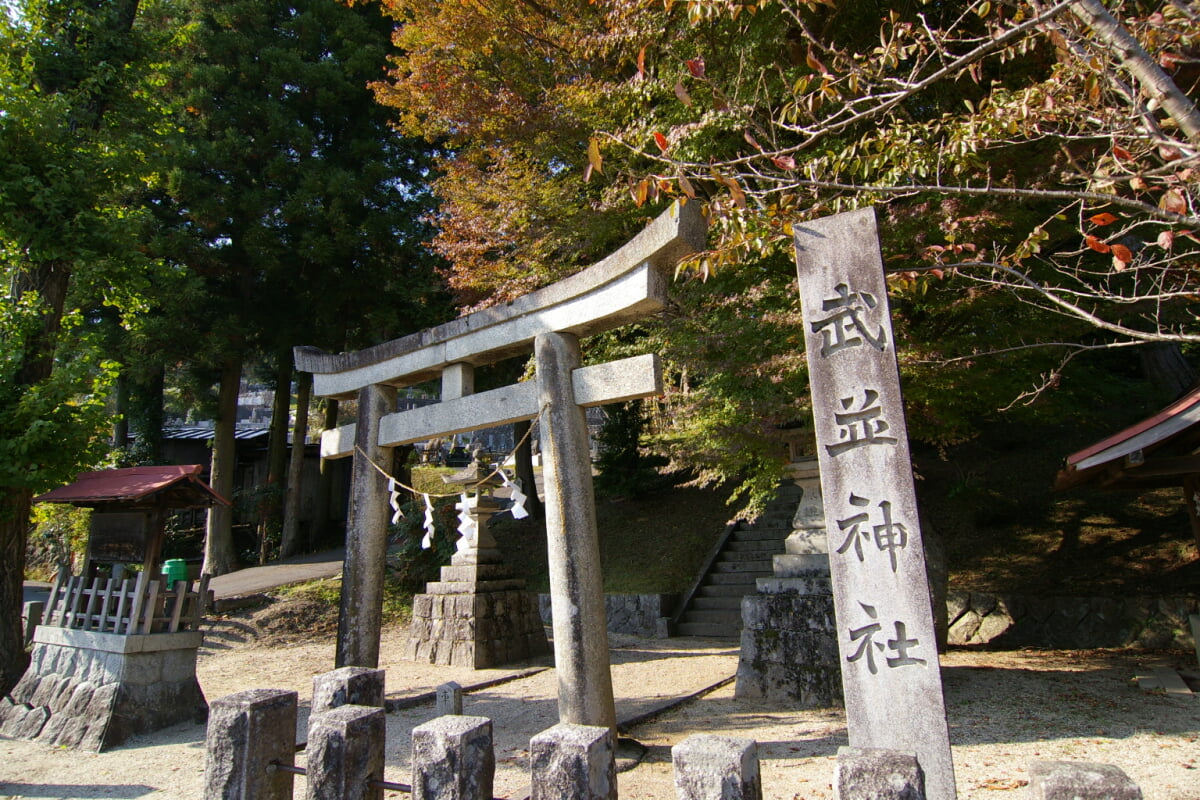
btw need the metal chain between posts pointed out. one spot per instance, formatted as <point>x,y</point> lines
<point>275,766</point>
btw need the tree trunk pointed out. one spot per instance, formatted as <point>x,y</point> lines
<point>270,508</point>
<point>219,554</point>
<point>14,530</point>
<point>120,431</point>
<point>325,491</point>
<point>290,537</point>
<point>1164,366</point>
<point>51,280</point>
<point>148,422</point>
<point>524,468</point>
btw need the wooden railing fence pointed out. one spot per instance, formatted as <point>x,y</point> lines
<point>129,606</point>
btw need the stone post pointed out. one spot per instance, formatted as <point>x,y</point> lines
<point>366,535</point>
<point>573,762</point>
<point>709,767</point>
<point>32,617</point>
<point>585,695</point>
<point>452,759</point>
<point>345,753</point>
<point>248,731</point>
<point>449,700</point>
<point>872,773</point>
<point>1080,780</point>
<point>358,686</point>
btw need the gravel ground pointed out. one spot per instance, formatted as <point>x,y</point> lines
<point>1004,709</point>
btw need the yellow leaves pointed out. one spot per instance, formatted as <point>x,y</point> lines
<point>595,160</point>
<point>686,186</point>
<point>815,64</point>
<point>735,191</point>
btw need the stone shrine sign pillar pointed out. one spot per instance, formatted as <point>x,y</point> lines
<point>889,659</point>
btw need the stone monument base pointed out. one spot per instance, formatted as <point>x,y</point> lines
<point>789,650</point>
<point>478,616</point>
<point>91,691</point>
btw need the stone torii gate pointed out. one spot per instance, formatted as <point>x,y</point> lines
<point>628,285</point>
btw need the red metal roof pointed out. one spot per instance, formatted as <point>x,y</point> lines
<point>133,484</point>
<point>1178,416</point>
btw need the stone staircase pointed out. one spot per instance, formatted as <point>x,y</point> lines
<point>713,608</point>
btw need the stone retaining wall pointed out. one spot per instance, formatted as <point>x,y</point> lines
<point>983,618</point>
<point>632,614</point>
<point>1012,621</point>
<point>91,691</point>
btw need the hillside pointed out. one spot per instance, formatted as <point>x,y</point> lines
<point>989,500</point>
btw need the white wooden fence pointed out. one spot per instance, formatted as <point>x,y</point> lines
<point>129,606</point>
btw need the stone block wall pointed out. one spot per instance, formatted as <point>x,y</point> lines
<point>632,614</point>
<point>789,641</point>
<point>475,629</point>
<point>91,691</point>
<point>1012,621</point>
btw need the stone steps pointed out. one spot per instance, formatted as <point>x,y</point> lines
<point>752,546</point>
<point>755,565</point>
<point>704,629</point>
<point>718,603</point>
<point>715,607</point>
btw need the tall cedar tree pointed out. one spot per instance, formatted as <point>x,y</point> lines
<point>303,206</point>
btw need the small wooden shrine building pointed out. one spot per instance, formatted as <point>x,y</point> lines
<point>116,655</point>
<point>130,510</point>
<point>1161,450</point>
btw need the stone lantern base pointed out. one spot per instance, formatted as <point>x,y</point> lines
<point>478,616</point>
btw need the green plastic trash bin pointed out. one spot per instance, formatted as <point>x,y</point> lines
<point>176,570</point>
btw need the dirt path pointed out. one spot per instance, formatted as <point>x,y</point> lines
<point>1004,710</point>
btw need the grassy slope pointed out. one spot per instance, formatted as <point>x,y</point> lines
<point>653,543</point>
<point>989,500</point>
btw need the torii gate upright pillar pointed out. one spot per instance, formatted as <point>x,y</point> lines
<point>366,542</point>
<point>585,695</point>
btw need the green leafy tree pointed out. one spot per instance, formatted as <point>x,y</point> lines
<point>76,109</point>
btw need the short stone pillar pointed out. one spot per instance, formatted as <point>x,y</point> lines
<point>247,732</point>
<point>573,762</point>
<point>1080,780</point>
<point>449,700</point>
<point>709,767</point>
<point>789,637</point>
<point>872,773</point>
<point>453,759</point>
<point>479,614</point>
<point>32,615</point>
<point>345,753</point>
<point>358,686</point>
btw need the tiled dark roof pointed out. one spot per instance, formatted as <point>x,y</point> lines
<point>201,433</point>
